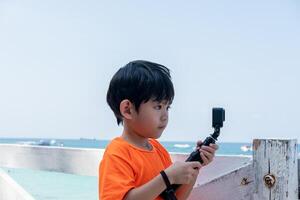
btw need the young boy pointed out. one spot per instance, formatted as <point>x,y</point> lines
<point>140,95</point>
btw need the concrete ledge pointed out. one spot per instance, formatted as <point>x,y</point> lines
<point>86,161</point>
<point>10,190</point>
<point>229,177</point>
<point>59,159</point>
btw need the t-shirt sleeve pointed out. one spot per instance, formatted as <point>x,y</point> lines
<point>116,177</point>
<point>166,158</point>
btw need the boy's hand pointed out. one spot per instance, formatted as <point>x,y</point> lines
<point>183,172</point>
<point>207,153</point>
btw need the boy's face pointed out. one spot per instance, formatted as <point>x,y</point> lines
<point>151,119</point>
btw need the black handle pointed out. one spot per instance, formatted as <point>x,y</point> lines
<point>218,118</point>
<point>195,155</point>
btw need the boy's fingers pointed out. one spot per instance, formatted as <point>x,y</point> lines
<point>209,149</point>
<point>207,154</point>
<point>199,142</point>
<point>196,173</point>
<point>215,146</point>
<point>204,158</point>
<point>195,164</point>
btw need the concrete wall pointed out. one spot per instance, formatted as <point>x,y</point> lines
<point>10,190</point>
<point>86,161</point>
<point>66,160</point>
<point>227,177</point>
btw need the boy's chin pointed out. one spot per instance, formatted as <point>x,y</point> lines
<point>157,135</point>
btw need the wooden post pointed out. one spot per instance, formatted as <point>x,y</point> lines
<point>275,165</point>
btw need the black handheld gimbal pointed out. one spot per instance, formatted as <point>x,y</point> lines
<point>218,117</point>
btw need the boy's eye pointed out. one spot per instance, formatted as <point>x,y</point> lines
<point>158,107</point>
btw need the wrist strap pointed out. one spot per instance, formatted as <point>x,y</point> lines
<point>166,179</point>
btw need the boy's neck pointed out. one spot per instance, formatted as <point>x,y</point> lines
<point>136,139</point>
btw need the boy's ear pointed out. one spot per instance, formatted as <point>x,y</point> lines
<point>126,108</point>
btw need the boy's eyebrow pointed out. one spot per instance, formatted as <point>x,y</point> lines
<point>165,102</point>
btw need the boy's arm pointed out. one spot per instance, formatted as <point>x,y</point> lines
<point>177,173</point>
<point>148,191</point>
<point>184,191</point>
<point>207,154</point>
<point>155,187</point>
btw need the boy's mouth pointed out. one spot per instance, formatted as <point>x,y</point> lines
<point>162,127</point>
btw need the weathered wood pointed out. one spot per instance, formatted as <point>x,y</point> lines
<point>235,185</point>
<point>221,165</point>
<point>275,159</point>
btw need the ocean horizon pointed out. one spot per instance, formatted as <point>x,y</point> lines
<point>225,148</point>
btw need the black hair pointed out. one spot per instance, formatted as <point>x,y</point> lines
<point>139,81</point>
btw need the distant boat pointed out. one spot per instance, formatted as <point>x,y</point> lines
<point>246,148</point>
<point>87,138</point>
<point>42,143</point>
<point>27,142</point>
<point>182,145</point>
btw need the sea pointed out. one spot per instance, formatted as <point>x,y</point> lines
<point>45,185</point>
<point>225,148</point>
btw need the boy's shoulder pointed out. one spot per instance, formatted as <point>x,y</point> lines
<point>156,143</point>
<point>119,149</point>
<point>119,146</point>
<point>116,146</point>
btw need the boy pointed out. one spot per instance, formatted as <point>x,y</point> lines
<point>140,95</point>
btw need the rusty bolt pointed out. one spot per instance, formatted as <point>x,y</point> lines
<point>245,181</point>
<point>270,180</point>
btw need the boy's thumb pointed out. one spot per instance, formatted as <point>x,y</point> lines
<point>195,164</point>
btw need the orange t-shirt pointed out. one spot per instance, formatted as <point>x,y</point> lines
<point>125,166</point>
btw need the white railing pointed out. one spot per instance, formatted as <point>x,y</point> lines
<point>228,177</point>
<point>59,159</point>
<point>10,190</point>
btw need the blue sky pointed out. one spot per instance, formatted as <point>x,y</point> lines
<point>57,58</point>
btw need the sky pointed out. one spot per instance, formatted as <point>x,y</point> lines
<point>57,58</point>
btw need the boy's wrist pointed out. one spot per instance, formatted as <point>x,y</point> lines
<point>169,177</point>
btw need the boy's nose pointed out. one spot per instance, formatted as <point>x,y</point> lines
<point>164,117</point>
